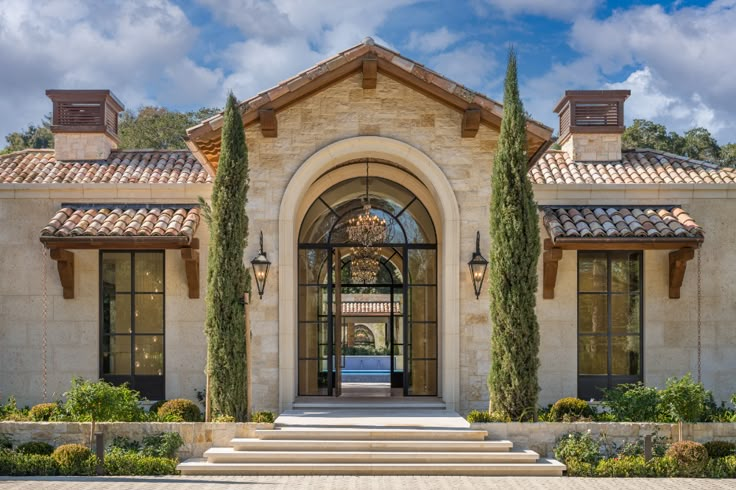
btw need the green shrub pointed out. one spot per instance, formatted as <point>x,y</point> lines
<point>223,418</point>
<point>124,444</point>
<point>98,401</point>
<point>690,456</point>
<point>35,465</point>
<point>632,402</point>
<point>264,417</point>
<point>10,411</point>
<point>7,461</point>
<point>74,459</point>
<point>35,447</point>
<point>118,463</point>
<point>579,468</point>
<point>163,445</point>
<point>186,410</point>
<point>720,449</point>
<point>570,410</point>
<point>625,466</point>
<point>6,442</point>
<point>662,467</point>
<point>481,416</point>
<point>721,468</point>
<point>683,400</point>
<point>43,412</point>
<point>577,446</point>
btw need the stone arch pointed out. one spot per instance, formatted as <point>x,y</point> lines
<point>418,167</point>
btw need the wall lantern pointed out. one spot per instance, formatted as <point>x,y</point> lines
<point>260,264</point>
<point>478,265</point>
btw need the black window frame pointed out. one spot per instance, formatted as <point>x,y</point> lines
<point>589,386</point>
<point>152,387</point>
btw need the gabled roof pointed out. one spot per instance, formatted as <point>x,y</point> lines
<point>638,166</point>
<point>204,139</point>
<point>121,167</point>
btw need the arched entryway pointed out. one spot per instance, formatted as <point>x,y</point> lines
<point>399,163</point>
<point>391,284</point>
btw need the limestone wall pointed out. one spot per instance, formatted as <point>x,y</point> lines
<point>198,437</point>
<point>73,324</point>
<point>83,146</point>
<point>588,147</point>
<point>392,110</point>
<point>670,325</point>
<point>541,437</point>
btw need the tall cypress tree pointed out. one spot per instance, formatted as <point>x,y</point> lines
<point>226,275</point>
<point>512,381</point>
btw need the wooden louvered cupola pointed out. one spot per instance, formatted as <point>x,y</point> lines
<point>591,123</point>
<point>84,123</point>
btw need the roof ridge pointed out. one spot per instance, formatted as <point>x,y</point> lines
<point>26,150</point>
<point>145,150</point>
<point>674,155</point>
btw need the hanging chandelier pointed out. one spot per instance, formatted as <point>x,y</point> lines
<point>366,230</point>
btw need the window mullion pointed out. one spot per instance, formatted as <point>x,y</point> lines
<point>609,301</point>
<point>132,319</point>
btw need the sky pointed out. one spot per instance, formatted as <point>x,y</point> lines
<point>676,58</point>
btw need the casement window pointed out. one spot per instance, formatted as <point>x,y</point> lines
<point>610,314</point>
<point>132,320</point>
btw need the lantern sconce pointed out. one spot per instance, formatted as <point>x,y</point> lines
<point>478,265</point>
<point>260,264</point>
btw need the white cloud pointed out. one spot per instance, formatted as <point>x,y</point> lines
<point>471,64</point>
<point>677,63</point>
<point>430,42</point>
<point>136,48</point>
<point>555,9</point>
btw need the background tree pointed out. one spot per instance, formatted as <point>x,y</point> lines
<point>512,381</point>
<point>158,128</point>
<point>31,137</point>
<point>646,134</point>
<point>226,275</point>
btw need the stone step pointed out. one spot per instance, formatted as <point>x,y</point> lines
<point>244,444</point>
<point>380,404</point>
<point>543,467</point>
<point>229,455</point>
<point>354,434</point>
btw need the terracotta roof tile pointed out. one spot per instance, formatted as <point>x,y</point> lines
<point>118,221</point>
<point>615,222</point>
<point>636,167</point>
<point>122,167</point>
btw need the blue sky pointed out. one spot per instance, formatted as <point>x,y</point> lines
<point>677,58</point>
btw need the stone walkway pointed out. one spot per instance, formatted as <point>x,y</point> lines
<point>354,482</point>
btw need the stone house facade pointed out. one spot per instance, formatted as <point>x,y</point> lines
<point>104,250</point>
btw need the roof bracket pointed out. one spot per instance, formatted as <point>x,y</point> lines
<point>550,260</point>
<point>65,265</point>
<point>269,125</point>
<point>370,71</point>
<point>678,264</point>
<point>190,256</point>
<point>471,121</point>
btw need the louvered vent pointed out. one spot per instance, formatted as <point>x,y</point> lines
<point>592,111</point>
<point>85,111</point>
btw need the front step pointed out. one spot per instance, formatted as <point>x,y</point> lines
<point>312,433</point>
<point>229,455</point>
<point>543,467</point>
<point>243,444</point>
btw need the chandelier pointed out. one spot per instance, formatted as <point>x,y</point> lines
<point>366,230</point>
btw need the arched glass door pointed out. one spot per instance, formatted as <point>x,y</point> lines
<point>402,298</point>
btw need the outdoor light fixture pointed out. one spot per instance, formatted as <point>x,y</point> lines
<point>478,265</point>
<point>260,265</point>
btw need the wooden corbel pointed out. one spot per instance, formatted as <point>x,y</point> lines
<point>190,256</point>
<point>678,264</point>
<point>370,72</point>
<point>65,264</point>
<point>471,121</point>
<point>550,259</point>
<point>269,126</point>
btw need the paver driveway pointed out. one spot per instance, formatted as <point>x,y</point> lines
<point>355,482</point>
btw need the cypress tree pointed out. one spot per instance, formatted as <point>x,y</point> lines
<point>514,229</point>
<point>226,275</point>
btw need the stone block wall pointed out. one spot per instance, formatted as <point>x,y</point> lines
<point>541,437</point>
<point>198,436</point>
<point>83,146</point>
<point>584,147</point>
